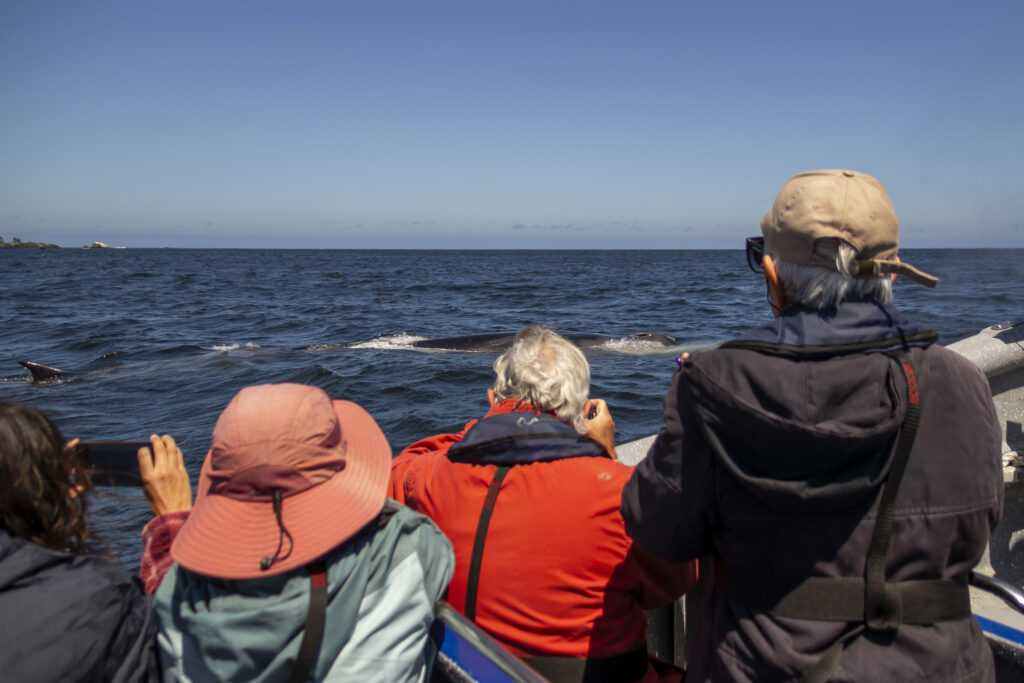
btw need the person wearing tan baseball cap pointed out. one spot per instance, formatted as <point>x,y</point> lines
<point>292,555</point>
<point>783,453</point>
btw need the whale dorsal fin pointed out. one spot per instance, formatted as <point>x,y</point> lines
<point>41,373</point>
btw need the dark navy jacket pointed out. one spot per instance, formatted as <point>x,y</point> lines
<point>772,464</point>
<point>72,618</point>
<point>520,438</point>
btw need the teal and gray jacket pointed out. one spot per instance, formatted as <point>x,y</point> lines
<point>381,587</point>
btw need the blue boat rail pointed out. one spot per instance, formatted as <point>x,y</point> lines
<point>468,655</point>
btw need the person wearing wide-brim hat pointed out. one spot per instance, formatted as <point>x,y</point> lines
<point>293,563</point>
<point>842,469</point>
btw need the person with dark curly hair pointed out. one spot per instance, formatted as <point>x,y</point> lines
<point>71,613</point>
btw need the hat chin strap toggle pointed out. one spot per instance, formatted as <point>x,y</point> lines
<point>267,562</point>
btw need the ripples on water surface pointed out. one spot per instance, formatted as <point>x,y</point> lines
<point>166,337</point>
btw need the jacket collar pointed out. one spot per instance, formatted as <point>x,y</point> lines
<point>852,322</point>
<point>514,433</point>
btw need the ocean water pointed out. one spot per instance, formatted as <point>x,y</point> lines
<point>161,339</point>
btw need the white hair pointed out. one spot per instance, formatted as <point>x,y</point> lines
<point>822,289</point>
<point>547,370</point>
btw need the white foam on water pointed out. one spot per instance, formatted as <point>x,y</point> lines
<point>249,346</point>
<point>393,341</point>
<point>639,346</point>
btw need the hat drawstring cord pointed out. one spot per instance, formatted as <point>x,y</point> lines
<point>268,562</point>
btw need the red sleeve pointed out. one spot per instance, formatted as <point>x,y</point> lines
<point>157,537</point>
<point>659,581</point>
<point>403,481</point>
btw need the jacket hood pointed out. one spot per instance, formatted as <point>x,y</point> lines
<point>814,419</point>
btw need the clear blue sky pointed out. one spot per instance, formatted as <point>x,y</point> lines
<point>527,124</point>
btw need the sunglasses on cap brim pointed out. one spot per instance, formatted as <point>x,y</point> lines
<point>755,254</point>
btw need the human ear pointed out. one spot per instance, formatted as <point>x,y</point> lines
<point>776,294</point>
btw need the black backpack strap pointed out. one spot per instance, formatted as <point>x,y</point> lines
<point>881,608</point>
<point>831,598</point>
<point>823,668</point>
<point>620,668</point>
<point>313,631</point>
<point>473,582</point>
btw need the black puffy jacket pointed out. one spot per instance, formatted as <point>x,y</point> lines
<point>66,617</point>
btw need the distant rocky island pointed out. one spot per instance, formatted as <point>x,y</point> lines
<point>16,243</point>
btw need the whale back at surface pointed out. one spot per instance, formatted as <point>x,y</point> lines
<point>472,342</point>
<point>500,341</point>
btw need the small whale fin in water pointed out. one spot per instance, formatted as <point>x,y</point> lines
<point>42,373</point>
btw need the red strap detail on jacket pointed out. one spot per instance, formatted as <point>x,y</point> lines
<point>318,577</point>
<point>911,384</point>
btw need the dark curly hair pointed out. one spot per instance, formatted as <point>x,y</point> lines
<point>42,496</point>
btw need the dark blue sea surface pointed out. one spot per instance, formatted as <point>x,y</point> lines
<point>163,338</point>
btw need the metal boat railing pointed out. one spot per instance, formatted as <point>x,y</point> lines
<point>468,655</point>
<point>1004,590</point>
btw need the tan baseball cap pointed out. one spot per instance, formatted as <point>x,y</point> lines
<point>847,205</point>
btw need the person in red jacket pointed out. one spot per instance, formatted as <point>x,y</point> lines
<point>529,496</point>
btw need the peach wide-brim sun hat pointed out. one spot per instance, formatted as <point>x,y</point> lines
<point>328,462</point>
